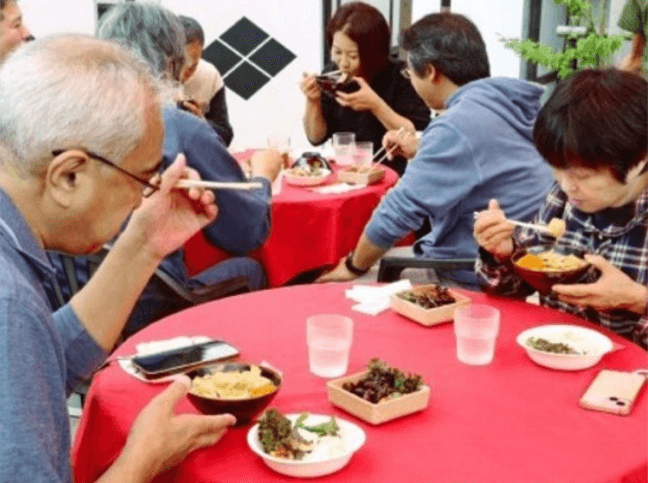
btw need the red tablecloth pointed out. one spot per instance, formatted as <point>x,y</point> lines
<point>309,231</point>
<point>510,421</point>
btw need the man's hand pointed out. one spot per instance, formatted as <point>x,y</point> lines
<point>194,107</point>
<point>338,274</point>
<point>310,88</point>
<point>364,99</point>
<point>400,142</point>
<point>159,439</point>
<point>168,218</point>
<point>493,233</point>
<point>613,290</point>
<point>267,163</point>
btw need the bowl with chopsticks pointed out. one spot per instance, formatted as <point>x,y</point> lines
<point>337,81</point>
<point>545,265</point>
<point>238,388</point>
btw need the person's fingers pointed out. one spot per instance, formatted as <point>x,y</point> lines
<point>168,398</point>
<point>173,173</point>
<point>208,440</point>
<point>598,261</point>
<point>493,204</point>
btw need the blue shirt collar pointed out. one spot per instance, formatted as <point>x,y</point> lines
<point>14,227</point>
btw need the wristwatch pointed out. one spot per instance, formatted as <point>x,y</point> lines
<point>348,263</point>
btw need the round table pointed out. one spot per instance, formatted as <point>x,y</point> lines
<point>510,421</point>
<point>309,231</point>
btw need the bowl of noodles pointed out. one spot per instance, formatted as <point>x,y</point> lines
<point>543,266</point>
<point>240,389</point>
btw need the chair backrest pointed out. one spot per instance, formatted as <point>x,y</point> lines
<point>390,268</point>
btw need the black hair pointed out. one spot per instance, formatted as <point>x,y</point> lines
<point>192,29</point>
<point>366,26</point>
<point>450,43</point>
<point>595,119</point>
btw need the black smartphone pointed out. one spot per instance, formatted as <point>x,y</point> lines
<point>161,364</point>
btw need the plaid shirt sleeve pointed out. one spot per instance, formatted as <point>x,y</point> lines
<point>499,277</point>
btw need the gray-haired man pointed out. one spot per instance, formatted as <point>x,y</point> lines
<point>80,145</point>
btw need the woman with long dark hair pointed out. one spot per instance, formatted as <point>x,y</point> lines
<point>382,100</point>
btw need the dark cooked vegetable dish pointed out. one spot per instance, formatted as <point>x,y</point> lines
<point>429,298</point>
<point>383,383</point>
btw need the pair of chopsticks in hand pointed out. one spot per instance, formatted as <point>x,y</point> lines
<point>218,185</point>
<point>555,227</point>
<point>377,160</point>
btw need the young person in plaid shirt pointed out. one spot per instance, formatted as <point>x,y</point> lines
<point>593,131</point>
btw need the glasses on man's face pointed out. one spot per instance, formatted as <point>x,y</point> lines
<point>148,188</point>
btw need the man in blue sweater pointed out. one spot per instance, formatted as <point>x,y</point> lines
<point>480,148</point>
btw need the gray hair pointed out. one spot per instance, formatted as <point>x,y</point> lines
<point>192,30</point>
<point>151,31</point>
<point>71,91</point>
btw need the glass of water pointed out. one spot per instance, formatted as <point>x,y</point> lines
<point>363,154</point>
<point>329,338</point>
<point>476,327</point>
<point>344,147</point>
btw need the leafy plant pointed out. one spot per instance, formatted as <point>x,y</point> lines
<point>592,48</point>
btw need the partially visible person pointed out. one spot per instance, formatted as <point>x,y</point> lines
<point>13,32</point>
<point>634,19</point>
<point>360,43</point>
<point>593,131</point>
<point>480,148</point>
<point>66,103</point>
<point>203,84</point>
<point>157,36</point>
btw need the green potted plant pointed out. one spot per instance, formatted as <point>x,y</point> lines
<point>587,41</point>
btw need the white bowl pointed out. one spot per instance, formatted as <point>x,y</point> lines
<point>354,438</point>
<point>593,344</point>
<point>306,180</point>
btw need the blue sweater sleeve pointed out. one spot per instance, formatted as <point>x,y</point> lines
<point>243,220</point>
<point>440,176</point>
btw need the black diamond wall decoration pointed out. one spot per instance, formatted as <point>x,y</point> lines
<point>272,57</point>
<point>247,57</point>
<point>221,56</point>
<point>244,36</point>
<point>246,80</point>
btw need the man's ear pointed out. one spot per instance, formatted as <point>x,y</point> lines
<point>432,73</point>
<point>67,175</point>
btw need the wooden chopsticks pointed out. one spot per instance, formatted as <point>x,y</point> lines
<point>387,153</point>
<point>217,185</point>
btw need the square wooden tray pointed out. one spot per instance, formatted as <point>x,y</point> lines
<point>349,175</point>
<point>375,413</point>
<point>424,316</point>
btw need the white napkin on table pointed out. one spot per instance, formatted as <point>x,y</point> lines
<point>338,188</point>
<point>374,300</point>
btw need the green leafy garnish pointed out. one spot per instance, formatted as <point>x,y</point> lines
<point>329,428</point>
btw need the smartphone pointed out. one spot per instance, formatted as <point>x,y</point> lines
<point>613,392</point>
<point>161,364</point>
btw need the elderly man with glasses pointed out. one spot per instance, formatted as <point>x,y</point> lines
<point>64,100</point>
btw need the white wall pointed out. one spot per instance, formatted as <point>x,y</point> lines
<point>278,106</point>
<point>491,18</point>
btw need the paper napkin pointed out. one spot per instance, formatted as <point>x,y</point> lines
<point>338,188</point>
<point>373,300</point>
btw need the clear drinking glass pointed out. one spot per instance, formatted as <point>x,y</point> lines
<point>344,147</point>
<point>363,155</point>
<point>329,338</point>
<point>476,327</point>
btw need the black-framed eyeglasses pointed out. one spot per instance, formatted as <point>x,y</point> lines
<point>148,188</point>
